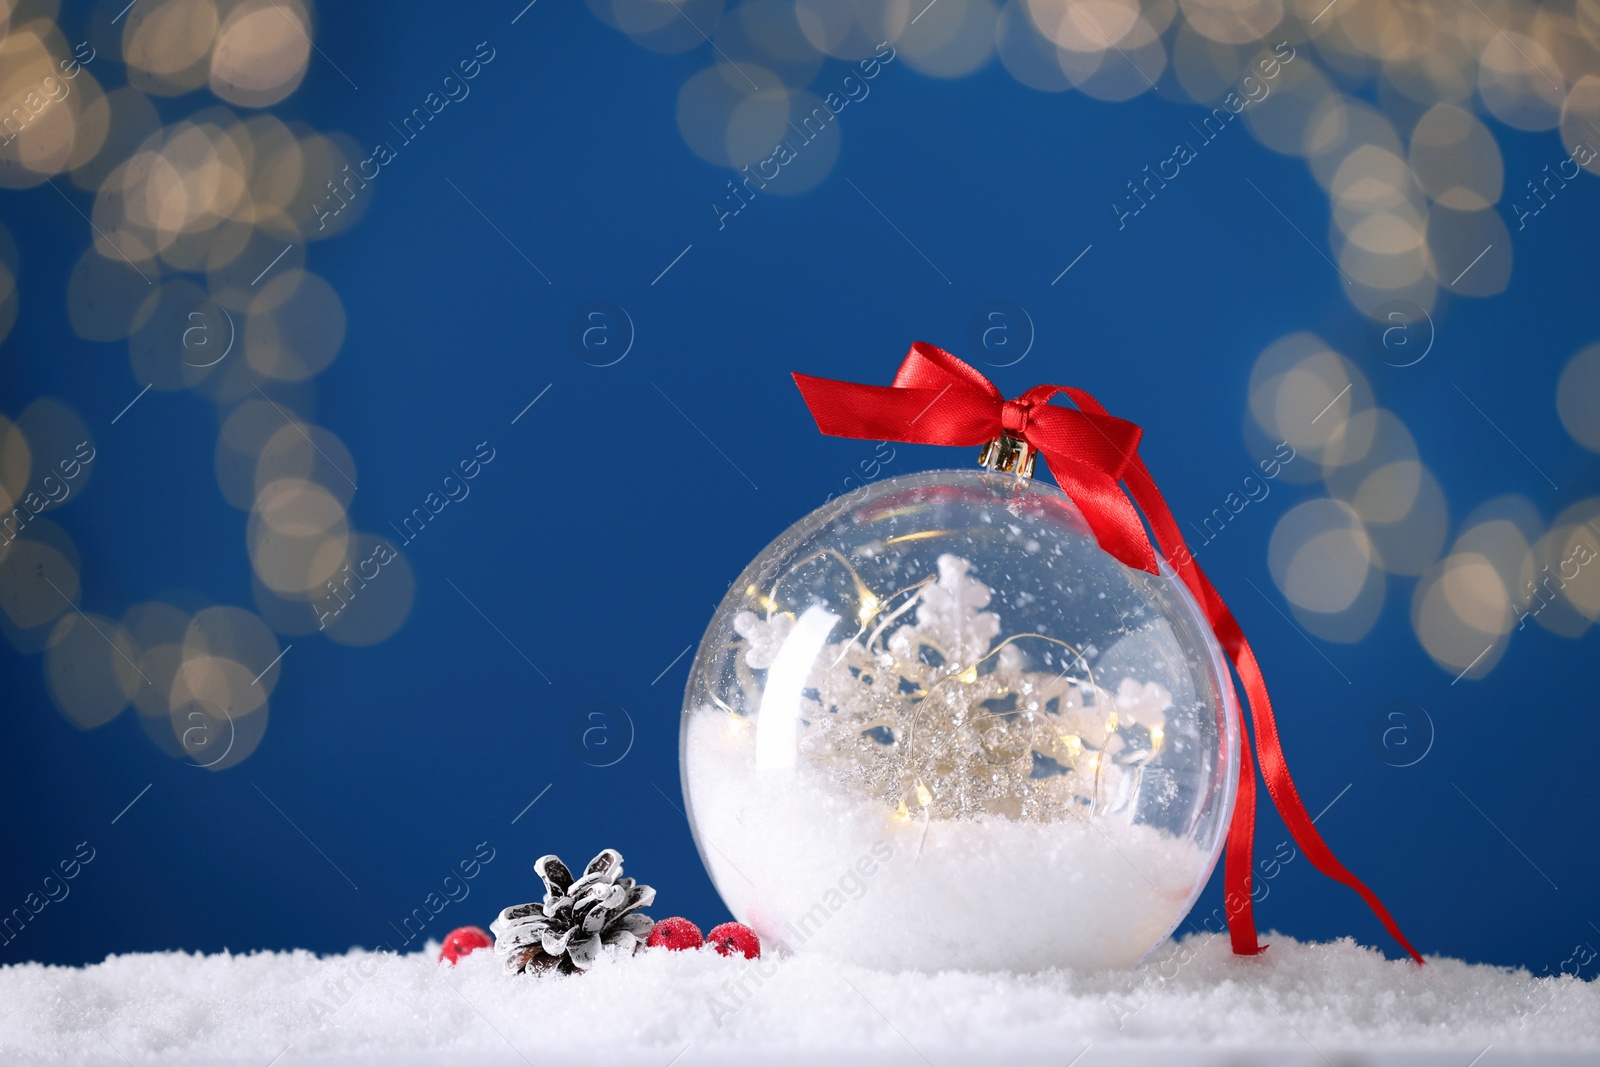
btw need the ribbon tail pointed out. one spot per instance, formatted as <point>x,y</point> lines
<point>1285,797</point>
<point>1238,902</point>
<point>1268,744</point>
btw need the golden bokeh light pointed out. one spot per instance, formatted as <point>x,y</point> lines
<point>41,105</point>
<point>1305,393</point>
<point>952,39</point>
<point>810,166</point>
<point>1130,68</point>
<point>371,595</point>
<point>62,450</point>
<point>1578,397</point>
<point>1461,612</point>
<point>298,536</point>
<point>1571,569</point>
<point>262,49</point>
<point>238,635</point>
<point>295,326</point>
<point>38,583</point>
<point>1283,119</point>
<point>1470,252</point>
<point>733,116</point>
<point>852,29</point>
<point>1320,555</point>
<point>1580,123</point>
<point>16,466</point>
<point>1456,160</point>
<point>1233,21</point>
<point>166,43</point>
<point>1027,54</point>
<point>89,669</point>
<point>129,119</point>
<point>660,25</point>
<point>767,34</point>
<point>1398,500</point>
<point>303,451</point>
<point>1520,82</point>
<point>1326,566</point>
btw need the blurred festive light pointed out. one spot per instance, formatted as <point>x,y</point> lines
<point>238,635</point>
<point>1128,69</point>
<point>262,49</point>
<point>808,156</point>
<point>1520,82</point>
<point>1461,612</point>
<point>1506,544</point>
<point>1027,54</point>
<point>1566,575</point>
<point>243,436</point>
<point>1397,499</point>
<point>1320,555</point>
<point>128,119</point>
<point>951,39</point>
<point>331,198</point>
<point>157,630</point>
<point>1326,566</point>
<point>1303,392</point>
<point>766,33</point>
<point>217,713</point>
<point>232,201</point>
<point>62,450</point>
<point>1430,63</point>
<point>298,536</point>
<point>1205,69</point>
<point>1233,21</point>
<point>295,326</point>
<point>1469,251</point>
<point>41,104</point>
<point>732,116</point>
<point>1578,397</point>
<point>852,29</point>
<point>1455,159</point>
<point>1571,570</point>
<point>1282,120</point>
<point>38,583</point>
<point>662,25</point>
<point>1465,608</point>
<point>166,43</point>
<point>233,283</point>
<point>89,669</point>
<point>303,451</point>
<point>370,596</point>
<point>16,466</point>
<point>1580,122</point>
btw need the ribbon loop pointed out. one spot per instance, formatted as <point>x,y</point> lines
<point>938,399</point>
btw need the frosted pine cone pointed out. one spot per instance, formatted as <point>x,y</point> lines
<point>577,919</point>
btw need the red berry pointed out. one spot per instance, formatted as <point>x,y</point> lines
<point>676,934</point>
<point>462,941</point>
<point>735,937</point>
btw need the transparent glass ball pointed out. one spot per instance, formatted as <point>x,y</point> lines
<point>935,725</point>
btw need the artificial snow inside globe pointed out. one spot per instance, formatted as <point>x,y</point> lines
<point>935,725</point>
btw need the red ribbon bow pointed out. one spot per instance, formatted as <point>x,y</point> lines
<point>937,399</point>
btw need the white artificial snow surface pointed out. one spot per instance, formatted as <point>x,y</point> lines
<point>1191,1002</point>
<point>820,869</point>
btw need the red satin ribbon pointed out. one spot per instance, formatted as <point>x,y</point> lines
<point>937,399</point>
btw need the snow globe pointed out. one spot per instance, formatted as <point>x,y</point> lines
<point>935,725</point>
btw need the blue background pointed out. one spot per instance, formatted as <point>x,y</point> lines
<point>607,528</point>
